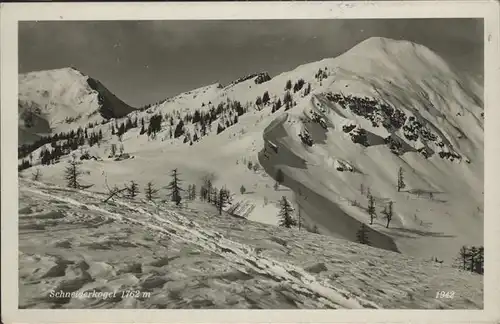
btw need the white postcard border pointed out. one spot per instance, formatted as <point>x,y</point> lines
<point>11,13</point>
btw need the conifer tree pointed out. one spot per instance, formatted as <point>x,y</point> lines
<point>174,187</point>
<point>371,208</point>
<point>401,183</point>
<point>362,235</point>
<point>463,256</point>
<point>132,189</point>
<point>265,98</point>
<point>287,99</point>
<point>258,102</point>
<point>479,265</point>
<point>285,214</point>
<point>214,195</point>
<point>179,129</point>
<point>193,192</point>
<point>72,174</point>
<point>206,187</point>
<point>222,199</point>
<point>150,191</point>
<point>203,193</point>
<point>472,257</point>
<point>278,104</point>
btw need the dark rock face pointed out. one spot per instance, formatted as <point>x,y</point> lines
<point>110,105</point>
<point>392,119</point>
<point>262,77</point>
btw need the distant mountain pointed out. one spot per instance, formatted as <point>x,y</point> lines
<point>58,100</point>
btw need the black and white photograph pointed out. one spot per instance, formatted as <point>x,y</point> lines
<point>246,163</point>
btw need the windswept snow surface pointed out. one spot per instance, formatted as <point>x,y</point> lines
<point>77,252</point>
<point>442,116</point>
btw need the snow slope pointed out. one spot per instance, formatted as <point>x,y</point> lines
<point>77,252</point>
<point>401,75</point>
<point>63,99</point>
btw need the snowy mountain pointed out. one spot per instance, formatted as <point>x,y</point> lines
<point>336,134</point>
<point>58,100</point>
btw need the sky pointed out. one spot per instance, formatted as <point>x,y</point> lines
<point>143,62</point>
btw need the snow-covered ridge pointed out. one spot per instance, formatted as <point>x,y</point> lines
<point>62,99</point>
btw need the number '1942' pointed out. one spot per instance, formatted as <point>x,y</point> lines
<point>445,294</point>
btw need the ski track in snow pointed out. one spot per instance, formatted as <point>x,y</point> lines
<point>230,250</point>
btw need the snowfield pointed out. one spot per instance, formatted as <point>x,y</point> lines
<point>144,255</point>
<point>349,125</point>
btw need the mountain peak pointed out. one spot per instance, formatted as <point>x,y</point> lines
<point>59,97</point>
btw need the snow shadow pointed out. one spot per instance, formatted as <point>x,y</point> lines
<point>317,208</point>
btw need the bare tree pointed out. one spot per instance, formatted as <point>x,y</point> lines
<point>35,176</point>
<point>299,216</point>
<point>207,184</point>
<point>113,150</point>
<point>388,212</point>
<point>115,191</point>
